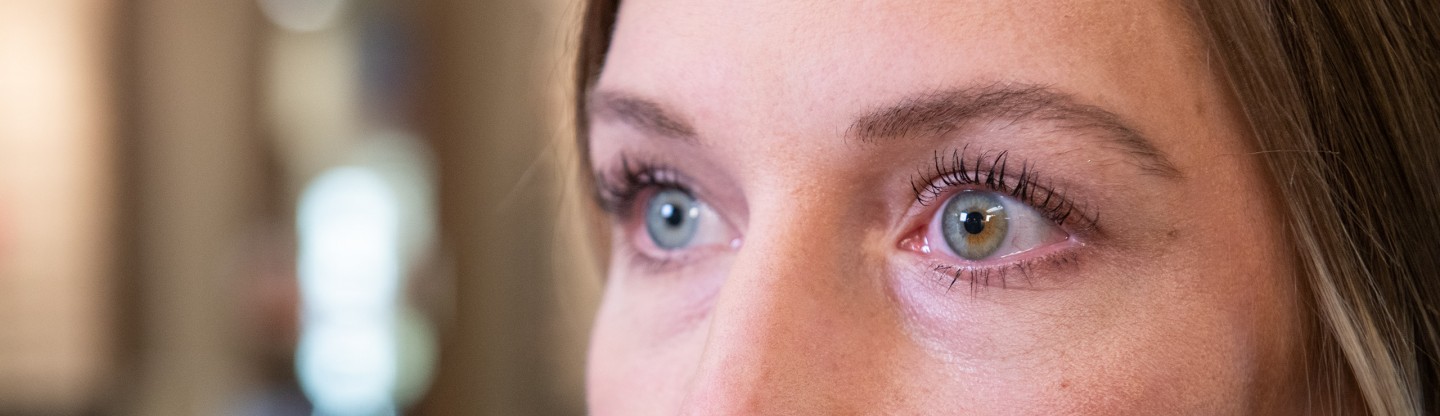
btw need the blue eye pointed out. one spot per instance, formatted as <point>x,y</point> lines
<point>974,224</point>
<point>672,218</point>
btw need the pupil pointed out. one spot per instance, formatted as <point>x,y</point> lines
<point>974,222</point>
<point>671,215</point>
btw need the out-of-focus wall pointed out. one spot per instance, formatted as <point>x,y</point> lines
<point>497,106</point>
<point>56,198</point>
<point>193,191</point>
<point>152,153</point>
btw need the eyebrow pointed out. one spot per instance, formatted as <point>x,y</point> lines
<point>932,114</point>
<point>640,113</point>
<point>939,113</point>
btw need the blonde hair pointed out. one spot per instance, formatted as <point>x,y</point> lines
<point>1342,98</point>
<point>1344,101</point>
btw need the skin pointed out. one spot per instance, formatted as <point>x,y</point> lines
<point>1183,305</point>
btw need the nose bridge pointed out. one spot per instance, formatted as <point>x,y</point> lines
<point>795,309</point>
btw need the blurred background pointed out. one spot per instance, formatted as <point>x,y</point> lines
<point>290,207</point>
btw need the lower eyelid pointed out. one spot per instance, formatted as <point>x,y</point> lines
<point>1033,269</point>
<point>1036,273</point>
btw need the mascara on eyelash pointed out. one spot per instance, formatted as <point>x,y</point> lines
<point>982,277</point>
<point>990,170</point>
<point>617,191</point>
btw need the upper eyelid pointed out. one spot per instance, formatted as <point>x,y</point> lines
<point>954,171</point>
<point>995,171</point>
<point>618,188</point>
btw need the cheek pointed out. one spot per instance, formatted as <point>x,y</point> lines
<point>1179,337</point>
<point>648,336</point>
<point>628,358</point>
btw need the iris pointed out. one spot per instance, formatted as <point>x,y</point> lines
<point>974,224</point>
<point>671,218</point>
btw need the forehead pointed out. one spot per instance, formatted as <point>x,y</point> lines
<point>807,66</point>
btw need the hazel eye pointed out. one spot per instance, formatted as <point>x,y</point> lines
<point>672,218</point>
<point>981,225</point>
<point>974,224</point>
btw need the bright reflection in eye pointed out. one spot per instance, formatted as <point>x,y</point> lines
<point>982,225</point>
<point>673,220</point>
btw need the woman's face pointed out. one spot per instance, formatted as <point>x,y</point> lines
<point>921,207</point>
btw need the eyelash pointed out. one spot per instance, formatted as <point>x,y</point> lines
<point>960,170</point>
<point>990,172</point>
<point>618,191</point>
<point>982,276</point>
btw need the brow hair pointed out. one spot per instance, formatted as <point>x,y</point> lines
<point>943,112</point>
<point>640,113</point>
<point>928,114</point>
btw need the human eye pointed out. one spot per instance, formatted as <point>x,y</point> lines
<point>992,227</point>
<point>660,217</point>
